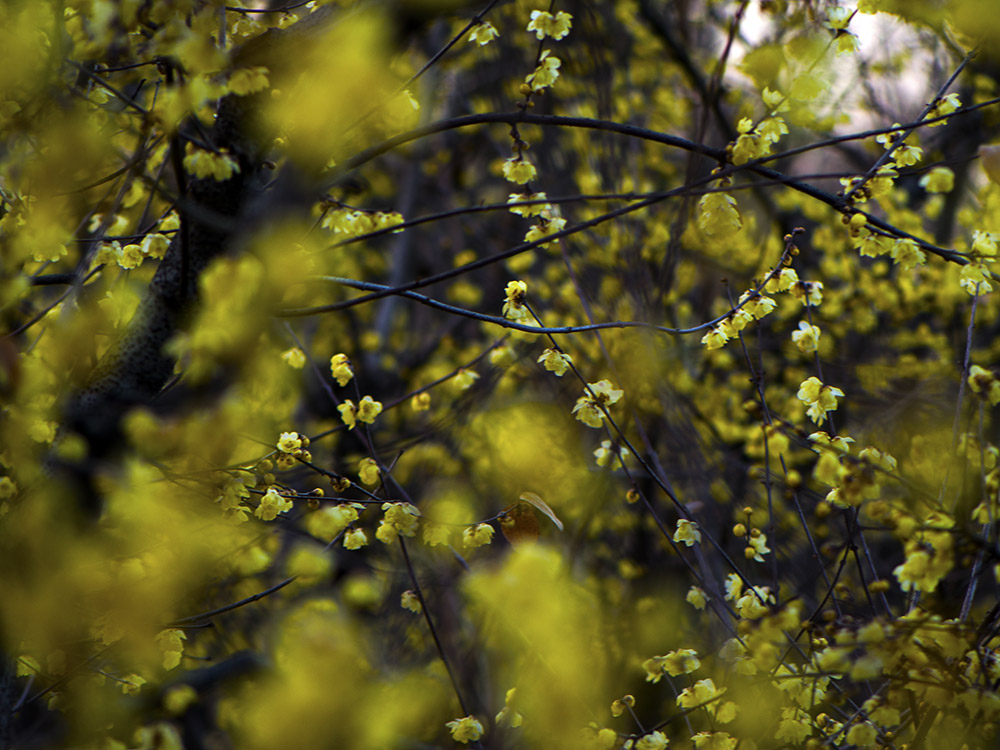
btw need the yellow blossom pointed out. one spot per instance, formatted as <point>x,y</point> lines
<point>201,164</point>
<point>548,226</point>
<point>368,471</point>
<point>508,715</point>
<point>519,170</point>
<point>171,643</point>
<point>944,106</point>
<point>938,180</point>
<point>683,661</point>
<point>753,604</point>
<point>545,24</point>
<point>478,535</point>
<point>411,601</point>
<point>436,534</point>
<point>718,215</point>
<point>399,519</point>
<point>696,597</point>
<point>809,293</point>
<point>588,407</point>
<point>536,209</point>
<point>699,694</point>
<point>368,409</point>
<point>179,698</point>
<point>984,383</point>
<point>907,253</point>
<point>758,544</point>
<point>782,281</point>
<point>715,338</point>
<point>294,358</point>
<point>734,586</point>
<point>484,33</point>
<point>131,684</point>
<point>467,729</point>
<point>687,532</point>
<point>820,398</point>
<point>340,368</point>
<point>546,72</point>
<point>271,504</point>
<point>555,361</point>
<point>652,741</point>
<point>348,413</point>
<point>289,442</point>
<point>758,305</point>
<point>807,337</point>
<point>513,306</point>
<point>355,539</point>
<point>329,521</point>
<point>465,378</point>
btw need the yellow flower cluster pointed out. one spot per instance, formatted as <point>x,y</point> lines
<point>545,24</point>
<point>590,407</point>
<point>398,519</point>
<point>364,411</point>
<point>819,398</point>
<point>292,446</point>
<point>220,166</point>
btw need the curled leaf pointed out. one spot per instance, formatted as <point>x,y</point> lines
<point>533,499</point>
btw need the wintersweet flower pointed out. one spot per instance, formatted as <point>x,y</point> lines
<point>938,180</point>
<point>545,74</point>
<point>340,369</point>
<point>757,546</point>
<point>757,304</point>
<point>715,338</point>
<point>271,504</point>
<point>465,378</point>
<point>590,407</point>
<point>348,413</point>
<point>907,253</point>
<point>518,170</point>
<point>467,729</point>
<point>484,33</point>
<point>555,362</point>
<point>411,601</point>
<point>368,409</point>
<point>545,24</point>
<point>514,296</point>
<point>294,358</point>
<point>687,532</point>
<point>368,471</point>
<point>718,215</point>
<point>984,383</point>
<point>699,694</point>
<point>652,741</point>
<point>945,106</point>
<point>534,209</point>
<point>837,18</point>
<point>477,536</point>
<point>398,519</point>
<point>820,398</point>
<point>807,337</point>
<point>753,604</point>
<point>809,293</point>
<point>355,539</point>
<point>696,597</point>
